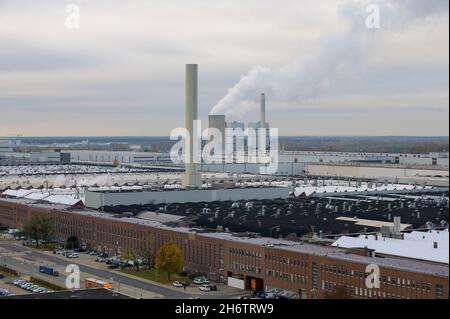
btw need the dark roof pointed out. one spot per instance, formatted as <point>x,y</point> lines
<point>99,293</point>
<point>301,216</point>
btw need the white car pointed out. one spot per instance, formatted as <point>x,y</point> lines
<point>26,285</point>
<point>201,281</point>
<point>36,289</point>
<point>17,282</point>
<point>177,284</point>
<point>205,288</point>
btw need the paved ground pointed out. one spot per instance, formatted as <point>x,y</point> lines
<point>27,260</point>
<point>5,284</point>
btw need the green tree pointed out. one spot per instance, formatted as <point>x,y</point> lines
<point>169,259</point>
<point>149,250</point>
<point>39,227</point>
<point>72,242</point>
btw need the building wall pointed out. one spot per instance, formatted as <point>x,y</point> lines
<point>108,157</point>
<point>284,169</point>
<point>45,157</point>
<point>369,172</point>
<point>308,275</point>
<point>433,159</point>
<point>99,199</point>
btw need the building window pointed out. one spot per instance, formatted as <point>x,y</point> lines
<point>439,291</point>
<point>314,275</point>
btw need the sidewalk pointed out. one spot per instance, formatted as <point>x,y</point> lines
<point>222,289</point>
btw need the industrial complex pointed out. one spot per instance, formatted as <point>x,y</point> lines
<point>316,225</point>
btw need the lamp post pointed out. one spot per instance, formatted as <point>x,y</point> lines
<point>277,228</point>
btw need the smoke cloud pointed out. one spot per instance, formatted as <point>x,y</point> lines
<point>308,78</point>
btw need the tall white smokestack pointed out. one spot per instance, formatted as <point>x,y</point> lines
<point>263,111</point>
<point>192,178</point>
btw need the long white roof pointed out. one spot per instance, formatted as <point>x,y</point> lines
<point>432,245</point>
<point>309,190</point>
<point>68,197</point>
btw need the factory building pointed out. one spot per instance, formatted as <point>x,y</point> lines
<point>109,157</point>
<point>284,169</point>
<point>99,198</point>
<point>246,261</point>
<point>45,157</point>
<point>6,145</point>
<point>438,160</point>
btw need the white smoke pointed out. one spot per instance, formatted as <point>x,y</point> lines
<point>102,180</point>
<point>307,78</point>
<point>60,181</point>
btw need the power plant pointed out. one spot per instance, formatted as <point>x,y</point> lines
<point>239,223</point>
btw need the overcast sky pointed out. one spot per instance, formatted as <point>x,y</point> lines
<point>122,71</point>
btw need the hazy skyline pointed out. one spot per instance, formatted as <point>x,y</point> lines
<point>122,72</point>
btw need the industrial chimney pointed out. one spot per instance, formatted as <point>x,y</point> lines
<point>219,122</point>
<point>263,111</point>
<point>192,178</point>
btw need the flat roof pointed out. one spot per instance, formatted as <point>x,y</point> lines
<point>95,293</point>
<point>400,263</point>
<point>430,245</point>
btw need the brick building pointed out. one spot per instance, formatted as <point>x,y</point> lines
<point>309,271</point>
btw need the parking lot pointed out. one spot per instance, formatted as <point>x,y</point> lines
<point>27,261</point>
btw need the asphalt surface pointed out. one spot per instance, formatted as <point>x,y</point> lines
<point>166,292</point>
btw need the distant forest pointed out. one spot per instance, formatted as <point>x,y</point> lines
<point>417,145</point>
<point>376,144</point>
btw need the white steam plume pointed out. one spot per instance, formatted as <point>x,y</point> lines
<point>309,77</point>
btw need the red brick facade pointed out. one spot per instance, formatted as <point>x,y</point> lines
<point>308,275</point>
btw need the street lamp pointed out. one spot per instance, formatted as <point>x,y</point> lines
<point>277,228</point>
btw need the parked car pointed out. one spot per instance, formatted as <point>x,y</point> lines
<point>113,266</point>
<point>17,282</point>
<point>212,287</point>
<point>36,289</point>
<point>28,286</point>
<point>201,281</point>
<point>4,292</point>
<point>205,287</point>
<point>2,276</point>
<point>178,284</point>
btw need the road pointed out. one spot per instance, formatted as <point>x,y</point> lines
<point>26,260</point>
<point>61,264</point>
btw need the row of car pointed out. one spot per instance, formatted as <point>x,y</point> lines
<point>204,284</point>
<point>270,294</point>
<point>28,286</point>
<point>4,292</point>
<point>113,262</point>
<point>201,281</point>
<point>66,253</point>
